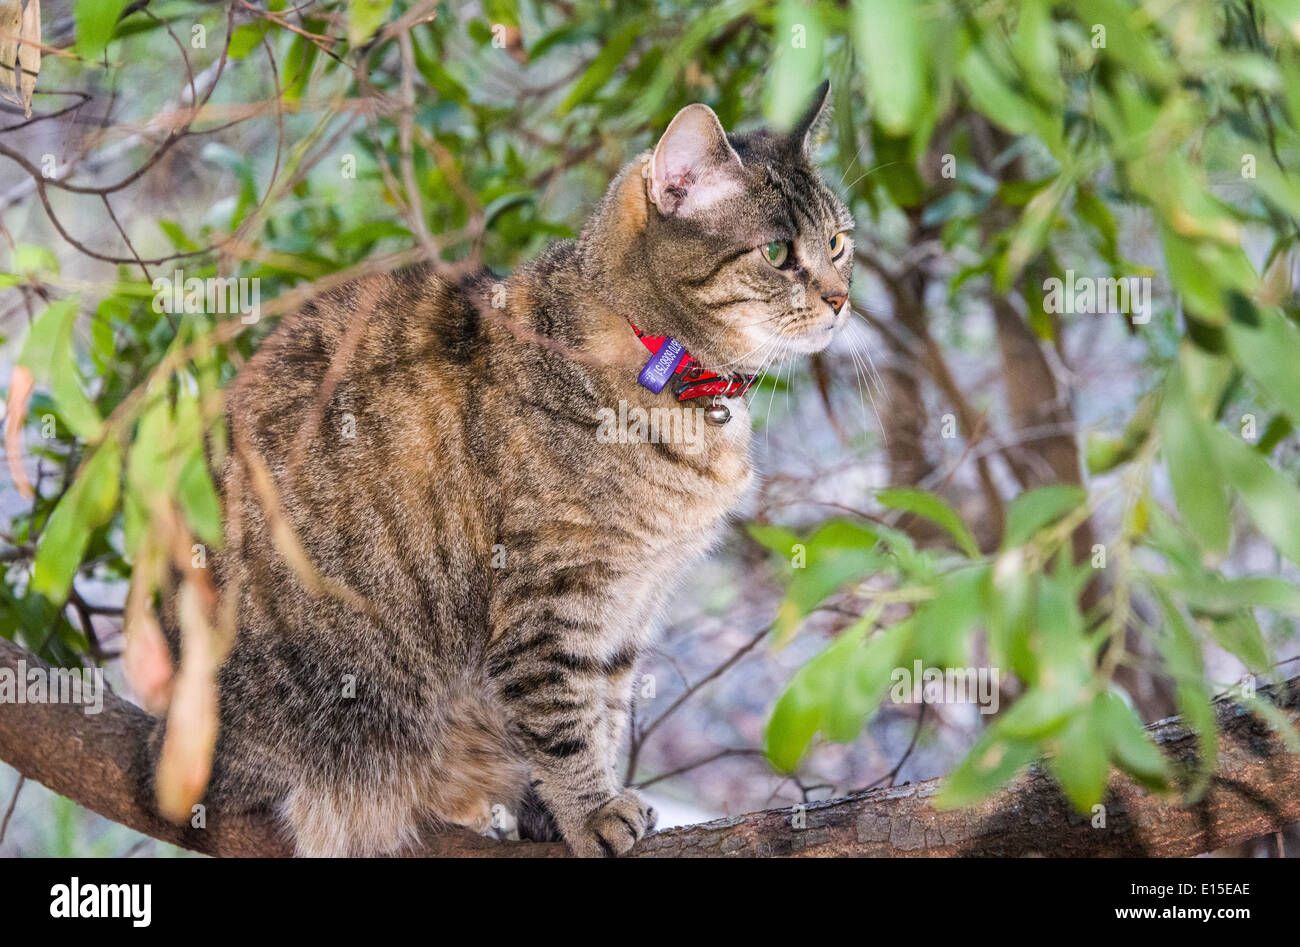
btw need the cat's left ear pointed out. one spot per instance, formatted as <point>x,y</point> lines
<point>814,118</point>
<point>694,166</point>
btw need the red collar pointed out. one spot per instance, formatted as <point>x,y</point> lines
<point>670,359</point>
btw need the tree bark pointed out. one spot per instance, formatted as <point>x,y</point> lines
<point>97,761</point>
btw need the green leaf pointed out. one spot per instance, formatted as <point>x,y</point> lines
<point>87,504</point>
<point>1030,233</point>
<point>1270,353</point>
<point>1038,508</point>
<point>1010,594</point>
<point>1240,635</point>
<point>891,41</point>
<point>1105,453</point>
<point>566,35</point>
<point>933,508</point>
<point>48,352</point>
<point>103,343</point>
<point>990,765</point>
<point>367,234</point>
<point>778,539</point>
<point>1064,657</point>
<point>364,17</point>
<point>1172,541</point>
<point>96,20</point>
<point>504,203</point>
<point>895,169</point>
<point>602,68</point>
<point>28,259</point>
<point>198,499</point>
<point>795,720</point>
<point>1208,378</point>
<point>943,624</point>
<point>1037,714</point>
<point>1278,187</point>
<point>246,38</point>
<point>1210,594</point>
<point>834,692</point>
<point>1130,744</point>
<point>1197,482</point>
<point>135,520</point>
<point>836,554</point>
<point>1270,498</point>
<point>866,678</point>
<point>1182,656</point>
<point>502,11</point>
<point>297,70</point>
<point>798,64</point>
<point>151,449</point>
<point>1091,209</point>
<point>1277,430</point>
<point>1079,761</point>
<point>1035,51</point>
<point>986,73</point>
<point>1204,272</point>
<point>1272,715</point>
<point>177,235</point>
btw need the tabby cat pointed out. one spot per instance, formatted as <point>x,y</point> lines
<point>434,447</point>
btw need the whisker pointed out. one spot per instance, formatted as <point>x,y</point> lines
<point>757,348</point>
<point>853,162</point>
<point>865,352</point>
<point>767,432</point>
<point>768,352</point>
<point>861,354</point>
<point>869,171</point>
<point>858,370</point>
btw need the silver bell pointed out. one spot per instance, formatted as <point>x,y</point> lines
<point>717,413</point>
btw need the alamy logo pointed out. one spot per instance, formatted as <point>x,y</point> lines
<point>103,900</point>
<point>215,295</point>
<point>946,686</point>
<point>42,685</point>
<point>1079,295</point>
<point>659,425</point>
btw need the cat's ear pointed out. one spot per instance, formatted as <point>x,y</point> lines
<point>813,119</point>
<point>693,166</point>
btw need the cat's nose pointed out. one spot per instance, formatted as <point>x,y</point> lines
<point>835,301</point>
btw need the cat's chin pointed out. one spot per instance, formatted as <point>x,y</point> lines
<point>775,351</point>
<point>811,343</point>
<point>814,340</point>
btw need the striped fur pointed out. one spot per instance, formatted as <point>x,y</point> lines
<point>480,681</point>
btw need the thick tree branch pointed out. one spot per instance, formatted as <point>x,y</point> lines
<point>97,761</point>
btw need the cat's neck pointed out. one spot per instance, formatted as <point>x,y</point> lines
<point>585,295</point>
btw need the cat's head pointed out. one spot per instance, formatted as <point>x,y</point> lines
<point>746,253</point>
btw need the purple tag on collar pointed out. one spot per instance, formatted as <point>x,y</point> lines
<point>662,364</point>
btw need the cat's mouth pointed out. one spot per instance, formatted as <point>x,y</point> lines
<point>809,337</point>
<point>767,341</point>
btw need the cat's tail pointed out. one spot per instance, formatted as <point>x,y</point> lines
<point>229,792</point>
<point>537,822</point>
<point>467,769</point>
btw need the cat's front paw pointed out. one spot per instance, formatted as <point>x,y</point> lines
<point>613,827</point>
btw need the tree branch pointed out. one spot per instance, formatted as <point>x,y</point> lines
<point>98,762</point>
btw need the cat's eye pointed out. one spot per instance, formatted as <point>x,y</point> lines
<point>775,253</point>
<point>837,244</point>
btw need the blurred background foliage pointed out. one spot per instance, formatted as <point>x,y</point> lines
<point>1101,504</point>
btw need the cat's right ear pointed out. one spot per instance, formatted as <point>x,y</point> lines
<point>693,166</point>
<point>815,116</point>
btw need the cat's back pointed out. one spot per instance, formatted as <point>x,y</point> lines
<point>354,338</point>
<point>354,408</point>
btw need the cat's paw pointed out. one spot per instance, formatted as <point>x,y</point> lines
<point>614,827</point>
